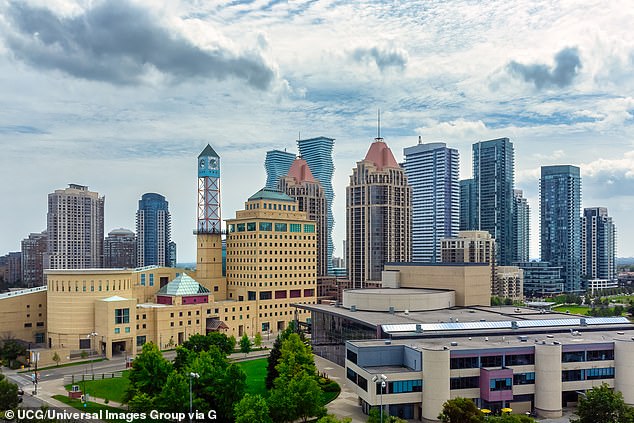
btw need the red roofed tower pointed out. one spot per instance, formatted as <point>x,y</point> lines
<point>378,211</point>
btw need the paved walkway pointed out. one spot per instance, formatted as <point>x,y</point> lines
<point>347,403</point>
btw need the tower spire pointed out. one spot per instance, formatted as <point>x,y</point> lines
<point>378,125</point>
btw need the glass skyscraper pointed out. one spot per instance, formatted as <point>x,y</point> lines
<point>493,172</point>
<point>468,211</point>
<point>598,239</point>
<point>521,226</point>
<point>277,164</point>
<point>153,228</point>
<point>432,171</point>
<point>560,212</point>
<point>318,154</point>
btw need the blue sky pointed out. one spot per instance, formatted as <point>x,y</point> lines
<point>123,95</point>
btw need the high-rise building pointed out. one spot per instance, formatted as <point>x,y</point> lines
<point>277,164</point>
<point>154,230</point>
<point>74,224</point>
<point>598,245</point>
<point>11,269</point>
<point>33,251</point>
<point>521,227</point>
<point>468,210</point>
<point>432,171</point>
<point>560,211</point>
<point>470,247</point>
<point>378,209</point>
<point>318,154</point>
<point>541,279</point>
<point>260,239</point>
<point>493,169</point>
<point>301,185</point>
<point>508,283</point>
<point>120,249</point>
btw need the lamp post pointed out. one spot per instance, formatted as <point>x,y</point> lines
<point>383,380</point>
<point>192,375</point>
<point>92,336</point>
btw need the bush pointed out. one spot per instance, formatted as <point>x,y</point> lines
<point>328,385</point>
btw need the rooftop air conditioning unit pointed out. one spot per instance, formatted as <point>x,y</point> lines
<point>391,310</point>
<point>353,308</point>
<point>454,344</point>
<point>419,328</point>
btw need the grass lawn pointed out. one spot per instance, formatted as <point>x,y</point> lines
<point>574,309</point>
<point>91,407</point>
<point>256,375</point>
<point>113,388</point>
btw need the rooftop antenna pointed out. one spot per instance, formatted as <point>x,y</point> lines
<point>299,136</point>
<point>378,118</point>
<point>420,140</point>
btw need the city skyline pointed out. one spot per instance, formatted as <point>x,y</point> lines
<point>132,129</point>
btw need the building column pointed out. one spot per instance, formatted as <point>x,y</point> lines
<point>624,369</point>
<point>435,382</point>
<point>548,385</point>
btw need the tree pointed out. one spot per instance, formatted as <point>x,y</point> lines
<point>245,344</point>
<point>149,372</point>
<point>257,340</point>
<point>56,358</point>
<point>8,394</point>
<point>460,410</point>
<point>299,398</point>
<point>374,416</point>
<point>602,404</point>
<point>11,350</point>
<point>295,357</point>
<point>252,409</point>
<point>276,353</point>
<point>175,394</point>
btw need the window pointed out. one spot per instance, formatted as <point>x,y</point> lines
<point>121,316</point>
<point>600,355</point>
<point>140,340</point>
<point>403,386</point>
<point>151,279</point>
<point>573,356</point>
<point>524,378</point>
<point>127,329</point>
<point>251,295</point>
<point>504,384</point>
<point>604,373</point>
<point>352,356</point>
<point>251,226</point>
<point>280,227</point>
<point>232,228</point>
<point>295,293</point>
<point>266,226</point>
<point>84,344</point>
<point>117,331</point>
<point>464,382</point>
<point>142,279</point>
<point>464,363</point>
<point>265,295</point>
<point>240,227</point>
<point>491,361</point>
<point>520,359</point>
<point>309,228</point>
<point>28,325</point>
<point>296,227</point>
<point>572,375</point>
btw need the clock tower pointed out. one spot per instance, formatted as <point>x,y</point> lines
<point>208,229</point>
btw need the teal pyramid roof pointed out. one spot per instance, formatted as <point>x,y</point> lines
<point>270,194</point>
<point>208,152</point>
<point>183,285</point>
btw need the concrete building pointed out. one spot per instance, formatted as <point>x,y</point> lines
<point>598,246</point>
<point>271,258</point>
<point>493,174</point>
<point>432,171</point>
<point>521,226</point>
<point>33,251</point>
<point>11,269</point>
<point>301,185</point>
<point>120,249</point>
<point>508,283</point>
<point>277,164</point>
<point>471,247</point>
<point>560,210</point>
<point>23,315</point>
<point>154,231</point>
<point>378,211</point>
<point>318,154</point>
<point>74,224</point>
<point>541,279</point>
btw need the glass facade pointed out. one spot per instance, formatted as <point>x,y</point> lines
<point>153,228</point>
<point>330,333</point>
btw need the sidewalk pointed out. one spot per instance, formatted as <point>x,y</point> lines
<point>347,403</point>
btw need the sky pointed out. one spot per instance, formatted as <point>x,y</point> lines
<point>123,95</point>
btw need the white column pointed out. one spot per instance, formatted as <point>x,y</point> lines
<point>624,369</point>
<point>435,382</point>
<point>548,385</point>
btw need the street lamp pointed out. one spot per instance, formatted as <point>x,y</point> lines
<point>383,380</point>
<point>192,375</point>
<point>92,336</point>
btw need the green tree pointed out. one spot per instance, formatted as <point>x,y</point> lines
<point>141,403</point>
<point>11,350</point>
<point>252,409</point>
<point>460,410</point>
<point>175,394</point>
<point>8,394</point>
<point>295,357</point>
<point>298,398</point>
<point>374,416</point>
<point>149,372</point>
<point>245,344</point>
<point>257,340</point>
<point>56,358</point>
<point>276,353</point>
<point>602,404</point>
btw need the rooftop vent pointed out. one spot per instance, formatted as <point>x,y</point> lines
<point>353,308</point>
<point>406,312</point>
<point>454,344</point>
<point>550,336</point>
<point>391,310</point>
<point>523,338</point>
<point>583,322</point>
<point>419,328</point>
<point>556,343</point>
<point>514,325</point>
<point>388,342</point>
<point>620,333</point>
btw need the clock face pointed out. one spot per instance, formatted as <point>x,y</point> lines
<point>202,163</point>
<point>213,163</point>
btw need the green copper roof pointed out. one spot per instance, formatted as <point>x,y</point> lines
<point>208,152</point>
<point>183,285</point>
<point>270,194</point>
